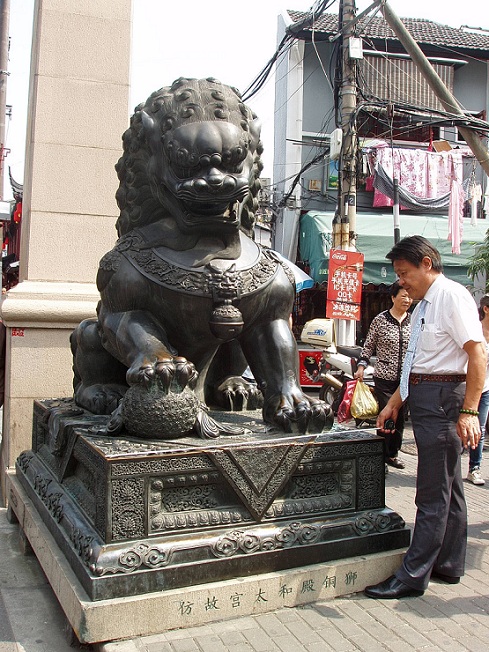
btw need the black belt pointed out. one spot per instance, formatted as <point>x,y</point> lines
<point>415,379</point>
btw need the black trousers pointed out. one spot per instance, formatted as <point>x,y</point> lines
<point>383,391</point>
<point>439,538</point>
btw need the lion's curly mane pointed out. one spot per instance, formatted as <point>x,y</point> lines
<point>186,100</point>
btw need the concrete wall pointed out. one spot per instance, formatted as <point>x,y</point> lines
<point>78,110</point>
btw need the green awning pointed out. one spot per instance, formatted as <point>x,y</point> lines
<point>375,238</point>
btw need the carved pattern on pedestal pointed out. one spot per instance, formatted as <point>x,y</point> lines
<point>191,502</point>
<point>258,479</point>
<point>377,522</point>
<point>24,460</point>
<point>177,464</point>
<point>140,555</point>
<point>82,543</point>
<point>239,541</point>
<point>370,470</point>
<point>128,508</point>
<point>52,499</point>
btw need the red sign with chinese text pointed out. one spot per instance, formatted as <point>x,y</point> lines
<point>344,284</point>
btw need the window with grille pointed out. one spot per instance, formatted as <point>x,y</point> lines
<point>399,80</point>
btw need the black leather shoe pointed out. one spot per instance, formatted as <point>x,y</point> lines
<point>390,589</point>
<point>395,462</point>
<point>448,579</point>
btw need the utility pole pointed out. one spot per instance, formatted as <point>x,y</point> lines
<point>4,29</point>
<point>348,199</point>
<point>345,234</point>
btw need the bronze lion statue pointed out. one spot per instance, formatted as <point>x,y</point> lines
<point>188,299</point>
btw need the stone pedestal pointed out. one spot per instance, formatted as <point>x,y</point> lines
<point>156,612</point>
<point>136,517</point>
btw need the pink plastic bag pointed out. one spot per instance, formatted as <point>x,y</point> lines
<point>344,413</point>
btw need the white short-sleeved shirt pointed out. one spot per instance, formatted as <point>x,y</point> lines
<point>451,319</point>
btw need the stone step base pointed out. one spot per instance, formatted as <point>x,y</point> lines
<point>154,613</point>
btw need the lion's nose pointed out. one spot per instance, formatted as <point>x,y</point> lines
<point>214,180</point>
<point>215,177</point>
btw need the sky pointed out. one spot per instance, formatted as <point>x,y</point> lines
<point>229,40</point>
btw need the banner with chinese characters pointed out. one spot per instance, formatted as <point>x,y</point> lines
<point>344,284</point>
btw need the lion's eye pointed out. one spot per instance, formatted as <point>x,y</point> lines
<point>237,156</point>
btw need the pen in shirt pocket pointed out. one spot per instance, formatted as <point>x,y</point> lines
<point>422,323</point>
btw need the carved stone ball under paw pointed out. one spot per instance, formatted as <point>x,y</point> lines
<point>152,413</point>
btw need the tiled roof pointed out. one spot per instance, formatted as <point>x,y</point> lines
<point>423,31</point>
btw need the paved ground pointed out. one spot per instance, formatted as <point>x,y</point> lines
<point>445,618</point>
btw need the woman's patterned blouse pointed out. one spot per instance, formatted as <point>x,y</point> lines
<point>388,340</point>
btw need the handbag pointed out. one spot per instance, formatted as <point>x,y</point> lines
<point>344,409</point>
<point>364,405</point>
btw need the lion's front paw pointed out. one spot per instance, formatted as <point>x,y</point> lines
<point>177,373</point>
<point>300,417</point>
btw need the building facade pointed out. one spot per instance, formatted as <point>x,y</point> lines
<point>399,127</point>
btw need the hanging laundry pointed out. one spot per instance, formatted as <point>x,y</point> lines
<point>384,185</point>
<point>439,172</point>
<point>475,197</point>
<point>457,199</point>
<point>427,181</point>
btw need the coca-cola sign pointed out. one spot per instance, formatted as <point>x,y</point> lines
<point>344,284</point>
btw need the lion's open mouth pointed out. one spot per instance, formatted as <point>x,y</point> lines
<point>203,213</point>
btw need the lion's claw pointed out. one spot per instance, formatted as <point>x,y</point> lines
<point>284,418</point>
<point>168,372</point>
<point>236,394</point>
<point>115,423</point>
<point>185,373</point>
<point>305,417</point>
<point>322,417</point>
<point>165,370</point>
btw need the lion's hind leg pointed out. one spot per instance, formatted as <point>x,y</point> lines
<point>99,381</point>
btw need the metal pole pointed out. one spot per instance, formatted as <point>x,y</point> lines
<point>448,101</point>
<point>395,212</point>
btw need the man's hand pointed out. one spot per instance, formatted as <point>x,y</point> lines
<point>468,426</point>
<point>469,430</point>
<point>387,415</point>
<point>390,411</point>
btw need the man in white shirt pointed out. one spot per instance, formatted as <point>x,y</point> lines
<point>445,382</point>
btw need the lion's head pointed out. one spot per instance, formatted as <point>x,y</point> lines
<point>192,153</point>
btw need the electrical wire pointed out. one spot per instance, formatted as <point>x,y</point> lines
<point>287,41</point>
<point>305,167</point>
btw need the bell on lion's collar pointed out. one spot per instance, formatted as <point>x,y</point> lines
<point>226,321</point>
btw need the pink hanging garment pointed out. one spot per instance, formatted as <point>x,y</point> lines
<point>384,157</point>
<point>457,198</point>
<point>439,173</point>
<point>412,166</point>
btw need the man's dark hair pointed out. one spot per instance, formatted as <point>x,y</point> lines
<point>484,301</point>
<point>414,249</point>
